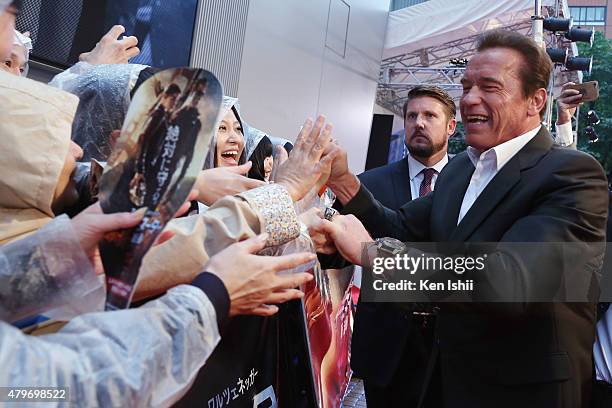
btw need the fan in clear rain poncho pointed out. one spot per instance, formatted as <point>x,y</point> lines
<point>38,162</point>
<point>227,146</point>
<point>17,62</point>
<point>228,143</point>
<point>104,93</point>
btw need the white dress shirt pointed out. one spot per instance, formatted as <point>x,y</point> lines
<point>488,164</point>
<point>416,177</point>
<point>564,135</point>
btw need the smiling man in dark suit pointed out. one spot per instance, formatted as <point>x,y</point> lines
<point>511,185</point>
<point>393,366</point>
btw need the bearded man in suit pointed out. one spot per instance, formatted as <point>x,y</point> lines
<point>393,367</point>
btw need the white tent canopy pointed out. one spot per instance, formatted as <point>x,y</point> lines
<point>440,21</point>
<point>422,39</point>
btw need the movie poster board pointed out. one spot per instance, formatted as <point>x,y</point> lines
<point>163,143</point>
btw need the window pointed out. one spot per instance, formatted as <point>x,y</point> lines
<point>588,16</point>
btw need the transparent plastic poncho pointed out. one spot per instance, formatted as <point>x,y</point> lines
<point>145,357</point>
<point>104,94</point>
<point>47,270</point>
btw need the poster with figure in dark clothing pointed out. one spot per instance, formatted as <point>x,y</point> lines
<point>163,143</point>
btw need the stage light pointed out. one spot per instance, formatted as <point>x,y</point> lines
<point>580,35</point>
<point>579,64</point>
<point>557,55</point>
<point>591,134</point>
<point>558,24</point>
<point>593,118</point>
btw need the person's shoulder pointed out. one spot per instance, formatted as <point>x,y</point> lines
<point>563,166</point>
<point>570,158</point>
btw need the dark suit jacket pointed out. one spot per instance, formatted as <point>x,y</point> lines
<point>522,354</point>
<point>390,184</point>
<point>381,331</point>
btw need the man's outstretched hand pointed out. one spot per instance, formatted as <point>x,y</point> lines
<point>307,161</point>
<point>343,183</point>
<point>345,233</point>
<point>253,281</point>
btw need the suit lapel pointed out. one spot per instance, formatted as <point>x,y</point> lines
<point>400,178</point>
<point>500,185</point>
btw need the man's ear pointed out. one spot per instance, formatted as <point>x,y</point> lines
<point>450,128</point>
<point>537,102</point>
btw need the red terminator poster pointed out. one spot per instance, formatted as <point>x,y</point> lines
<point>328,309</point>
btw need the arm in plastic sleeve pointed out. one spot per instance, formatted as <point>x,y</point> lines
<point>303,242</point>
<point>232,219</point>
<point>65,80</point>
<point>143,357</point>
<point>46,270</point>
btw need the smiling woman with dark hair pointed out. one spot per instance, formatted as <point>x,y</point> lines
<point>229,140</point>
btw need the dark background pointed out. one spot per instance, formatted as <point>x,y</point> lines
<point>63,29</point>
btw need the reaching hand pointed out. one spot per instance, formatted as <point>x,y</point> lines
<point>347,234</point>
<point>342,182</point>
<point>339,167</point>
<point>568,101</point>
<point>111,50</point>
<point>280,157</point>
<point>216,183</point>
<point>321,240</point>
<point>91,224</point>
<point>301,172</point>
<point>253,281</point>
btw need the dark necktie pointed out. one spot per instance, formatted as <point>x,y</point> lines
<point>426,183</point>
